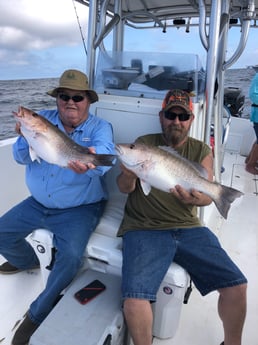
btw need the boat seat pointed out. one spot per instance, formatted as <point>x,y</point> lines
<point>103,254</point>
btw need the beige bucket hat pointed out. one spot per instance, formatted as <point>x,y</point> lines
<point>74,80</point>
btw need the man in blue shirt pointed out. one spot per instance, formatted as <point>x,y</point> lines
<point>67,202</point>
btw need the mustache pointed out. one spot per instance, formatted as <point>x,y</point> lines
<point>175,128</point>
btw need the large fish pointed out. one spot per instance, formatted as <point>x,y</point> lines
<point>163,168</point>
<point>48,142</point>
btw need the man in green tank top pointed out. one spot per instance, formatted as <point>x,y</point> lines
<point>161,227</point>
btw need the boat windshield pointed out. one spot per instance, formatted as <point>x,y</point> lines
<point>143,74</point>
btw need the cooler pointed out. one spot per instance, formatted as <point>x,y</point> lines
<point>42,242</point>
<point>170,298</point>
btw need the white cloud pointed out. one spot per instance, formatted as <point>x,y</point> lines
<point>43,37</point>
<point>39,24</point>
<point>32,27</point>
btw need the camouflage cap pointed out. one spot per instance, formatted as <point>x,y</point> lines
<point>74,80</point>
<point>177,98</point>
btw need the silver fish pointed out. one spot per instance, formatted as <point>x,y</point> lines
<point>163,168</point>
<point>48,142</point>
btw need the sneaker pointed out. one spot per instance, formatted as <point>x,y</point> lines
<point>7,268</point>
<point>24,332</point>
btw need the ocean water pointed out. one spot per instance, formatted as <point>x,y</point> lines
<point>31,93</point>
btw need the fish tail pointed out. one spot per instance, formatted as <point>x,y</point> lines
<point>226,196</point>
<point>104,159</point>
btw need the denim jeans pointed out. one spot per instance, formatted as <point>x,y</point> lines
<point>147,255</point>
<point>71,228</point>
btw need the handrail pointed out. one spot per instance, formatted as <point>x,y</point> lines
<point>241,45</point>
<point>106,29</point>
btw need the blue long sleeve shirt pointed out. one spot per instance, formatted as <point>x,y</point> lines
<point>57,187</point>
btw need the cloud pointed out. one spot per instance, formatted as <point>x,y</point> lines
<point>32,27</point>
<point>41,38</point>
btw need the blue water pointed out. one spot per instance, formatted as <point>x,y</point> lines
<point>31,93</point>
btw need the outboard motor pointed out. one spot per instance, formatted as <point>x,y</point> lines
<point>234,100</point>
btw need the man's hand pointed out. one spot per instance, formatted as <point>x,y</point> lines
<point>128,173</point>
<point>192,197</point>
<point>126,180</point>
<point>81,168</point>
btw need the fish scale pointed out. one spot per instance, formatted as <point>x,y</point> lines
<point>163,168</point>
<point>49,143</point>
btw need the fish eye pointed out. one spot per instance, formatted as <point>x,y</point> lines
<point>34,114</point>
<point>132,146</point>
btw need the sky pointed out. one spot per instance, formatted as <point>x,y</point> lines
<point>40,39</point>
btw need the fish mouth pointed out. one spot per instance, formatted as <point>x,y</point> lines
<point>19,113</point>
<point>119,149</point>
<point>15,114</point>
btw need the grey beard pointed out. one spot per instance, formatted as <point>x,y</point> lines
<point>174,136</point>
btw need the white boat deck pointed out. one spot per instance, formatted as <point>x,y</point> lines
<point>17,292</point>
<point>199,322</point>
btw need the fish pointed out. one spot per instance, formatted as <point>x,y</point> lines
<point>49,143</point>
<point>163,168</point>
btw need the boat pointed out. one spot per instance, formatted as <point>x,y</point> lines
<point>255,67</point>
<point>131,86</point>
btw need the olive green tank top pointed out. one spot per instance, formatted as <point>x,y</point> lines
<point>160,210</point>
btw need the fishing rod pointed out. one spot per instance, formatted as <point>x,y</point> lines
<point>80,28</point>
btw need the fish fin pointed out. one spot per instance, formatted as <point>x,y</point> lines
<point>146,187</point>
<point>226,196</point>
<point>104,159</point>
<point>170,150</point>
<point>33,155</point>
<point>198,167</point>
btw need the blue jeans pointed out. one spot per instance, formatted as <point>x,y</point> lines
<point>71,228</point>
<point>147,255</point>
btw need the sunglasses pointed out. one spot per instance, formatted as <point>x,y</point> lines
<point>75,98</point>
<point>172,116</point>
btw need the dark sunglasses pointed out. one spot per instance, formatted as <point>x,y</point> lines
<point>75,98</point>
<point>172,116</point>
